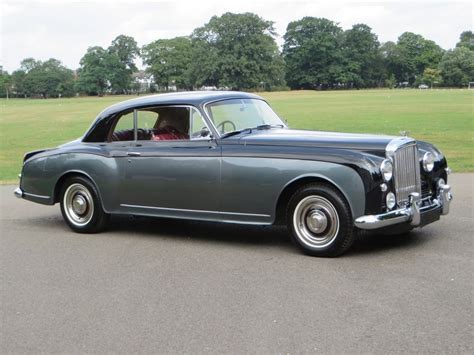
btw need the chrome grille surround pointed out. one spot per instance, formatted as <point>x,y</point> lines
<point>406,168</point>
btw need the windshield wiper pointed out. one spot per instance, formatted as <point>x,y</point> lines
<point>233,133</point>
<point>268,126</point>
<point>260,127</point>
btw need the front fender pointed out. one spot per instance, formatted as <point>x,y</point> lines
<point>344,178</point>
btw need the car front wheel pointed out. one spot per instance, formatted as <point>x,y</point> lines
<point>320,220</point>
<point>81,207</point>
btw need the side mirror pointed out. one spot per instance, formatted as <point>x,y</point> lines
<point>205,132</point>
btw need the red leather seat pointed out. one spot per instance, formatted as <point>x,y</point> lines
<point>167,133</point>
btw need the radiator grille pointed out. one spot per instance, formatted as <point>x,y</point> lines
<point>406,172</point>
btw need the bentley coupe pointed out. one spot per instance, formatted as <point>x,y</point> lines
<point>228,157</point>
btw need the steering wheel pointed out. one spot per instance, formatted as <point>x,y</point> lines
<point>223,123</point>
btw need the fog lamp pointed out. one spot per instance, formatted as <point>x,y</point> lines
<point>390,200</point>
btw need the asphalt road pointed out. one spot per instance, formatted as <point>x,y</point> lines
<point>158,285</point>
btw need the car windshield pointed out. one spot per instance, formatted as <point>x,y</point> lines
<point>235,115</point>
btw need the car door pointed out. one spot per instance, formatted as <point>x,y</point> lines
<point>173,173</point>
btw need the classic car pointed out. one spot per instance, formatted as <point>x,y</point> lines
<point>228,157</point>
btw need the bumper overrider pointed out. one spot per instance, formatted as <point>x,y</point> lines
<point>412,213</point>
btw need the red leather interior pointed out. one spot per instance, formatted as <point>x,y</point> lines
<point>167,133</point>
<point>161,134</point>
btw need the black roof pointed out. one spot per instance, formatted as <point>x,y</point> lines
<point>194,98</point>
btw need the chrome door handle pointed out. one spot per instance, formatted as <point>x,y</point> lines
<point>133,154</point>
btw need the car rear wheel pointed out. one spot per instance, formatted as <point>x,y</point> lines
<point>320,220</point>
<point>81,207</point>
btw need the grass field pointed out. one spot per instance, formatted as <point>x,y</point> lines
<point>443,117</point>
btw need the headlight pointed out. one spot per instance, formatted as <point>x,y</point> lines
<point>428,162</point>
<point>386,168</point>
<point>390,200</point>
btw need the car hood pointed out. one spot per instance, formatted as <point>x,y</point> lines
<point>302,138</point>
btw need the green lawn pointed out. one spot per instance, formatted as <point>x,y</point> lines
<point>443,117</point>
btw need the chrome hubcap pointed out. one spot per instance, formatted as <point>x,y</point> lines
<point>78,204</point>
<point>316,221</point>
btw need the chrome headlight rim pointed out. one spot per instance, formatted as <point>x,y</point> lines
<point>428,162</point>
<point>386,168</point>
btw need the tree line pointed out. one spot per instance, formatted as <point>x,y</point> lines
<point>239,51</point>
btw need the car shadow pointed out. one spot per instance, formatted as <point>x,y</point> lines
<point>373,242</point>
<point>214,232</point>
<point>200,230</point>
<point>365,242</point>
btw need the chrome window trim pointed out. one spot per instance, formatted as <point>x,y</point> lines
<point>211,122</point>
<point>188,210</point>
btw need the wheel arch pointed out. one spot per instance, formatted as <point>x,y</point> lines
<point>292,186</point>
<point>69,174</point>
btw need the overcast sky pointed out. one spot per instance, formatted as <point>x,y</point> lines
<point>64,29</point>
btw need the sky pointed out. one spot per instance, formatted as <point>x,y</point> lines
<point>65,29</point>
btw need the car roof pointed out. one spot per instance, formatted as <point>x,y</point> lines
<point>194,98</point>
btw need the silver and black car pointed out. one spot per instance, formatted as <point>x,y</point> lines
<point>227,157</point>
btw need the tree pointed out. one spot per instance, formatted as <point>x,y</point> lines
<point>126,49</point>
<point>390,81</point>
<point>93,72</point>
<point>466,39</point>
<point>431,75</point>
<point>313,55</point>
<point>120,63</point>
<point>457,67</point>
<point>17,83</point>
<point>236,51</point>
<point>412,55</point>
<point>5,83</point>
<point>363,61</point>
<point>28,64</point>
<point>45,79</point>
<point>388,52</point>
<point>119,78</point>
<point>169,60</point>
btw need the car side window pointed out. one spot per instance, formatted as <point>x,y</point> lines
<point>162,123</point>
<point>198,128</point>
<point>123,130</point>
<point>146,122</point>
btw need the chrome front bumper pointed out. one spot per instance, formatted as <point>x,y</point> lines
<point>411,213</point>
<point>18,192</point>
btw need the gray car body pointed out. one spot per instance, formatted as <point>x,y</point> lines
<point>247,178</point>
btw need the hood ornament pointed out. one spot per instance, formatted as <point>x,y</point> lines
<point>404,133</point>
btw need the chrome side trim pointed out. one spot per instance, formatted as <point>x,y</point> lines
<point>198,211</point>
<point>18,192</point>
